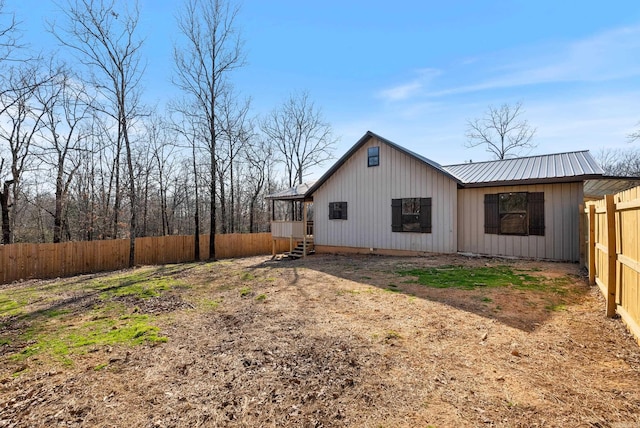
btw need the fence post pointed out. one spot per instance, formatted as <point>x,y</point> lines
<point>611,255</point>
<point>592,244</point>
<point>581,234</point>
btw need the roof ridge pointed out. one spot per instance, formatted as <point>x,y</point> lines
<point>512,159</point>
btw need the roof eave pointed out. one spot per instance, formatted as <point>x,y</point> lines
<point>551,180</point>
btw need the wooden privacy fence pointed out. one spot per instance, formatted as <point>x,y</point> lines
<point>24,261</point>
<point>613,254</point>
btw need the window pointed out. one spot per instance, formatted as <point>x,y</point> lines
<point>411,215</point>
<point>337,210</point>
<point>515,213</point>
<point>373,155</point>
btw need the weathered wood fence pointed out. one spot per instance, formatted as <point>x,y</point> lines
<point>24,261</point>
<point>613,253</point>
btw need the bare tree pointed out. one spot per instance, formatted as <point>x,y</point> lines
<point>635,136</point>
<point>67,107</point>
<point>619,162</point>
<point>211,49</point>
<point>236,130</point>
<point>260,159</point>
<point>103,35</point>
<point>298,131</point>
<point>20,120</point>
<point>191,128</point>
<point>8,34</point>
<point>502,130</point>
<point>160,138</point>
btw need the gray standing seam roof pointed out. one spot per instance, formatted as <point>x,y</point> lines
<point>543,168</point>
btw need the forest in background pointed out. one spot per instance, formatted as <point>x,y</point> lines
<point>82,157</point>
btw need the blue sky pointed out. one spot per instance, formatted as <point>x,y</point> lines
<point>416,71</point>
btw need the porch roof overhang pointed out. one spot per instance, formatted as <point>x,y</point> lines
<point>296,193</point>
<point>607,185</point>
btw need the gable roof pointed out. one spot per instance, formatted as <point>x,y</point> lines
<point>362,141</point>
<point>559,167</point>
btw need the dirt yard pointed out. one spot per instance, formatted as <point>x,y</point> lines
<point>322,342</point>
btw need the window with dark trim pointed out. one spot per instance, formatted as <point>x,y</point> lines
<point>373,156</point>
<point>411,215</point>
<point>514,213</point>
<point>337,210</point>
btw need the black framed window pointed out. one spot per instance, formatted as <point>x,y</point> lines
<point>411,215</point>
<point>373,156</point>
<point>337,210</point>
<point>514,213</point>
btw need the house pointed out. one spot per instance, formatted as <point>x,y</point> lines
<point>382,198</point>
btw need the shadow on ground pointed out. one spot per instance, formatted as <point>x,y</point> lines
<point>513,306</point>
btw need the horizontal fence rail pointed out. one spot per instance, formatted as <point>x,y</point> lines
<point>613,253</point>
<point>27,261</point>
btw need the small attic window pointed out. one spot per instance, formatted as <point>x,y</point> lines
<point>373,156</point>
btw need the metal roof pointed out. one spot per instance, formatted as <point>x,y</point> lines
<point>560,167</point>
<point>596,189</point>
<point>292,193</point>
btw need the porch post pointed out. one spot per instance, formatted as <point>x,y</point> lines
<point>304,228</point>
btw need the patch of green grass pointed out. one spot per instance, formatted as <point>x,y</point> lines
<point>72,339</point>
<point>59,325</point>
<point>392,335</point>
<point>486,299</point>
<point>343,292</point>
<point>468,278</point>
<point>261,297</point>
<point>245,291</point>
<point>13,300</point>
<point>100,366</point>
<point>556,307</point>
<point>247,276</point>
<point>210,303</point>
<point>143,284</point>
<point>9,306</point>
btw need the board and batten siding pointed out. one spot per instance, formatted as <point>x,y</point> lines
<point>561,219</point>
<point>368,192</point>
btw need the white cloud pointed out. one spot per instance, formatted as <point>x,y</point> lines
<point>610,55</point>
<point>411,89</point>
<point>401,92</point>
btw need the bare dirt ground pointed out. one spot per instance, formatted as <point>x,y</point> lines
<point>342,341</point>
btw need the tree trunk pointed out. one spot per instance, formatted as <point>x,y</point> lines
<point>196,217</point>
<point>132,191</point>
<point>4,204</point>
<point>57,215</point>
<point>212,214</point>
<point>116,202</point>
<point>223,204</point>
<point>231,199</point>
